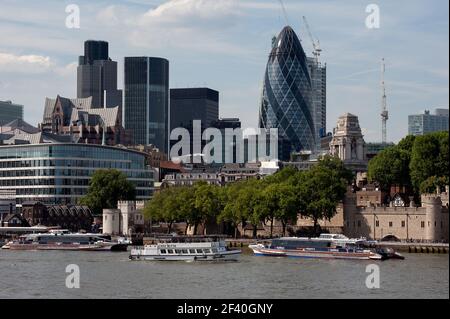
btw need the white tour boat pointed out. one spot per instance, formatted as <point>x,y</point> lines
<point>186,248</point>
<point>331,246</point>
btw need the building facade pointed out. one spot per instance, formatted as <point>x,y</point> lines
<point>71,217</point>
<point>422,124</point>
<point>318,72</point>
<point>81,122</point>
<point>97,76</point>
<point>287,99</point>
<point>126,220</point>
<point>60,173</point>
<point>9,112</point>
<point>189,104</point>
<point>402,220</point>
<point>146,108</point>
<point>348,143</point>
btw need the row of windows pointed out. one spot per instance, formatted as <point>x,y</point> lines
<point>70,191</point>
<point>71,151</point>
<point>391,224</point>
<point>69,163</point>
<point>188,251</point>
<point>68,172</point>
<point>59,182</point>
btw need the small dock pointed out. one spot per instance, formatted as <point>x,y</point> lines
<point>417,248</point>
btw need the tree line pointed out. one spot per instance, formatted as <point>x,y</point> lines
<point>421,164</point>
<point>283,196</point>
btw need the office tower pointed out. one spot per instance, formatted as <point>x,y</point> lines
<point>232,144</point>
<point>146,108</point>
<point>187,105</point>
<point>9,112</point>
<point>193,104</point>
<point>318,72</point>
<point>422,124</point>
<point>97,76</point>
<point>287,101</point>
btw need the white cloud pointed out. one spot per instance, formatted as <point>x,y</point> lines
<point>24,63</point>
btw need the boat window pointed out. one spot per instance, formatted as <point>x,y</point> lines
<point>170,251</point>
<point>214,250</point>
<point>177,251</point>
<point>163,251</point>
<point>199,251</point>
<point>185,251</point>
<point>208,251</point>
<point>192,251</point>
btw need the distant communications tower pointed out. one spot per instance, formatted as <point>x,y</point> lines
<point>384,111</point>
<point>316,43</point>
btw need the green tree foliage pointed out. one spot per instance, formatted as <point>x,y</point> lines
<point>106,188</point>
<point>390,167</point>
<point>430,157</point>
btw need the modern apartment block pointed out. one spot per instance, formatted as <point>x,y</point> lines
<point>422,124</point>
<point>318,73</point>
<point>146,103</point>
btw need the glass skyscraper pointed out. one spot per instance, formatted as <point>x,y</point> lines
<point>287,101</point>
<point>146,109</point>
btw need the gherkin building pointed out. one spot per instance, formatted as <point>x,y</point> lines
<point>286,102</point>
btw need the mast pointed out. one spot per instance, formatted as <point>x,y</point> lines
<point>384,111</point>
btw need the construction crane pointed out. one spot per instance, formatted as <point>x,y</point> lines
<point>316,43</point>
<point>384,111</point>
<point>284,11</point>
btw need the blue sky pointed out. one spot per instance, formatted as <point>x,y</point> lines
<point>224,44</point>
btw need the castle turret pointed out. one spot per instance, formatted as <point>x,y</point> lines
<point>433,218</point>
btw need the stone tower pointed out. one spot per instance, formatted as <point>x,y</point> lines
<point>348,143</point>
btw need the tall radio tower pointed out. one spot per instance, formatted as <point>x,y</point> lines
<point>384,111</point>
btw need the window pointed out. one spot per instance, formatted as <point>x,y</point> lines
<point>359,223</point>
<point>192,251</point>
<point>377,223</point>
<point>170,251</point>
<point>403,224</point>
<point>163,251</point>
<point>184,251</point>
<point>177,251</point>
<point>390,224</point>
<point>199,251</point>
<point>422,224</point>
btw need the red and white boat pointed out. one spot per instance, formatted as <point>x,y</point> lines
<point>331,246</point>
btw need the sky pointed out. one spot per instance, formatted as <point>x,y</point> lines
<point>224,45</point>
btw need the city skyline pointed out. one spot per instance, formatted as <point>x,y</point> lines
<point>224,45</point>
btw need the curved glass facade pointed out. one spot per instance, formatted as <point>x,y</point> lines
<point>60,173</point>
<point>287,93</point>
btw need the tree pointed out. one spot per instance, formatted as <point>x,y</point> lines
<point>207,203</point>
<point>430,157</point>
<point>106,188</point>
<point>230,212</point>
<point>390,167</point>
<point>322,189</point>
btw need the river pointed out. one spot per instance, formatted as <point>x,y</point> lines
<point>42,274</point>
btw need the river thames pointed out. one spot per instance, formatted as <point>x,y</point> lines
<point>38,274</point>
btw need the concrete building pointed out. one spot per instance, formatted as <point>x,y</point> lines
<point>348,143</point>
<point>9,112</point>
<point>126,220</point>
<point>97,76</point>
<point>422,124</point>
